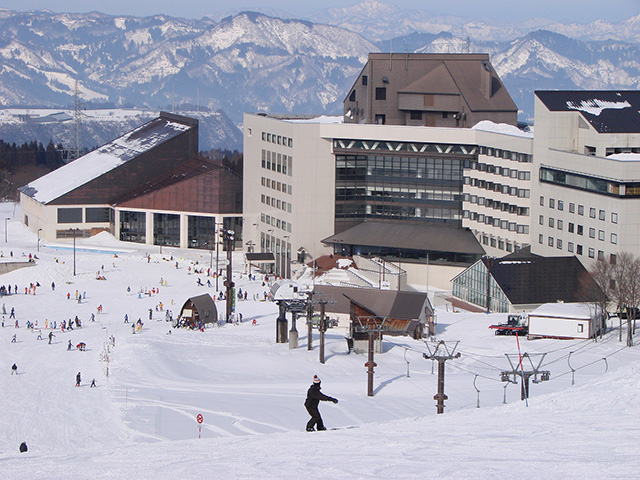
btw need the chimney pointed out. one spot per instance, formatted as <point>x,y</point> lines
<point>485,79</point>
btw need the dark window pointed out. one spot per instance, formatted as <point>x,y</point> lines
<point>70,215</point>
<point>416,115</point>
<point>381,119</point>
<point>133,226</point>
<point>202,232</point>
<point>365,79</point>
<point>381,93</point>
<point>445,114</point>
<point>98,215</point>
<point>166,229</point>
<point>352,97</point>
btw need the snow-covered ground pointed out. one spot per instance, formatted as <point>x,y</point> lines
<point>140,421</point>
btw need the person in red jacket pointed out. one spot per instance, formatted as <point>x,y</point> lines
<point>314,396</point>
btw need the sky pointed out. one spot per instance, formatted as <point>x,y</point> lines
<point>581,11</point>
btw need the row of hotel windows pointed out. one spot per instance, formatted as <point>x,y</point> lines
<point>579,250</point>
<point>277,162</point>
<point>278,186</point>
<point>591,184</point>
<point>509,155</point>
<point>274,202</point>
<point>496,222</point>
<point>498,187</point>
<point>601,214</point>
<point>278,139</point>
<point>91,215</point>
<point>495,204</point>
<point>275,222</point>
<point>505,172</point>
<point>571,228</point>
<point>499,243</point>
<point>272,244</point>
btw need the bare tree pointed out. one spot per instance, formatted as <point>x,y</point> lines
<point>619,282</point>
<point>627,288</point>
<point>600,294</point>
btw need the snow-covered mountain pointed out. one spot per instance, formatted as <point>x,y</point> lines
<point>377,21</point>
<point>256,62</point>
<point>247,62</point>
<point>99,126</point>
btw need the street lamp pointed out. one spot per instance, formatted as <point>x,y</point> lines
<point>270,243</point>
<point>6,239</point>
<point>286,261</point>
<point>217,233</point>
<point>250,245</point>
<point>39,230</point>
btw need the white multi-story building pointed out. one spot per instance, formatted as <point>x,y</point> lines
<point>586,199</point>
<point>307,179</point>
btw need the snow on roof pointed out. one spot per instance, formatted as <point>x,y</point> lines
<point>595,106</point>
<point>565,310</point>
<point>505,128</point>
<point>320,119</point>
<point>344,262</point>
<point>630,157</point>
<point>102,160</point>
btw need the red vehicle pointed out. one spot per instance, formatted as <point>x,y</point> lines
<point>516,324</point>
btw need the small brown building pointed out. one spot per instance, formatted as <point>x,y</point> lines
<point>429,89</point>
<point>397,312</point>
<point>198,310</point>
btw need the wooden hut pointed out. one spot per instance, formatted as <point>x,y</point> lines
<point>197,311</point>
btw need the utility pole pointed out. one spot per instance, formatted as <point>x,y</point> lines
<point>441,354</point>
<point>74,150</point>
<point>229,238</point>
<point>310,322</point>
<point>322,327</point>
<point>218,236</point>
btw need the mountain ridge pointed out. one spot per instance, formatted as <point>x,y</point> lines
<point>252,62</point>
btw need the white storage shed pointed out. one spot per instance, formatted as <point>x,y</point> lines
<point>565,320</point>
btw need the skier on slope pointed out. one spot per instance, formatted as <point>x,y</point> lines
<point>314,396</point>
<point>78,378</point>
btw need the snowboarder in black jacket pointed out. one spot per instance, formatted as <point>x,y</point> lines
<point>314,396</point>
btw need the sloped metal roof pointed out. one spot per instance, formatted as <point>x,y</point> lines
<point>384,303</point>
<point>534,279</point>
<point>409,236</point>
<point>108,157</point>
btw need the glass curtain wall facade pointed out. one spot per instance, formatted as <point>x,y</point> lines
<point>471,287</point>
<point>202,232</point>
<point>166,229</point>
<point>397,180</point>
<point>133,227</point>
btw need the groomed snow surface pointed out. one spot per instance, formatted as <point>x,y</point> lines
<point>140,421</point>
